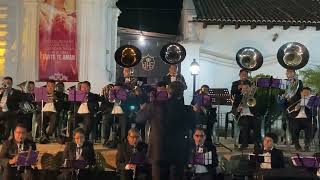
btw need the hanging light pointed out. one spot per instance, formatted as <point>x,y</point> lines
<point>194,67</point>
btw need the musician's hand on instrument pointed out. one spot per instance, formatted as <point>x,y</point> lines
<point>13,160</point>
<point>143,106</point>
<point>195,108</point>
<point>130,167</point>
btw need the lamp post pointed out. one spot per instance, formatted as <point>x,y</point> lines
<point>194,69</point>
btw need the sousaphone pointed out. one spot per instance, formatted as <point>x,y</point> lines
<point>293,55</point>
<point>173,53</point>
<point>127,56</point>
<point>249,58</point>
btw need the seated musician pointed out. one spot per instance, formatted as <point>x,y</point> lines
<point>80,149</point>
<point>203,170</point>
<point>302,119</point>
<point>206,115</point>
<point>9,155</point>
<point>272,157</point>
<point>51,109</point>
<point>131,157</point>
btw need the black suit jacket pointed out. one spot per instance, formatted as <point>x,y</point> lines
<point>167,80</point>
<point>125,152</point>
<point>207,147</point>
<point>60,101</point>
<point>277,160</point>
<point>13,100</point>
<point>88,153</point>
<point>170,124</point>
<point>10,149</point>
<point>93,103</point>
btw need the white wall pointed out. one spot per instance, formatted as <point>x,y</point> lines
<point>215,49</point>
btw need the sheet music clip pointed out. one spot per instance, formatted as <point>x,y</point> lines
<point>27,158</point>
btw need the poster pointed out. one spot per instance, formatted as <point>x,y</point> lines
<point>58,40</point>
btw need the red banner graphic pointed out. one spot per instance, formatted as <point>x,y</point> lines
<point>57,40</point>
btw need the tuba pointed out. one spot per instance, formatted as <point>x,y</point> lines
<point>293,56</point>
<point>249,59</point>
<point>173,53</point>
<point>127,56</point>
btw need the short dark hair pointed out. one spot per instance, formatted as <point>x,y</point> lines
<point>204,86</point>
<point>78,130</point>
<point>86,82</point>
<point>51,81</point>
<point>306,88</point>
<point>199,129</point>
<point>31,82</point>
<point>20,125</point>
<point>273,136</point>
<point>8,78</point>
<point>243,70</point>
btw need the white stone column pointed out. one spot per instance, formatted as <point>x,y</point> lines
<point>97,34</point>
<point>28,42</point>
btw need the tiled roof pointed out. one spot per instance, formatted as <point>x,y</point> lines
<point>258,12</point>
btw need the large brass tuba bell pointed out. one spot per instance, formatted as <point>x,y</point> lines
<point>173,53</point>
<point>249,58</point>
<point>127,56</point>
<point>293,55</point>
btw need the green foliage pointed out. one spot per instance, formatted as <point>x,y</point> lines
<point>311,77</point>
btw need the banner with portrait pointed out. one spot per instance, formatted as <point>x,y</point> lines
<point>58,40</point>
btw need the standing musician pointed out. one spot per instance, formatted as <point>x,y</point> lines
<point>9,155</point>
<point>127,80</point>
<point>86,111</point>
<point>9,107</point>
<point>301,115</point>
<point>131,157</point>
<point>78,150</point>
<point>106,109</point>
<point>174,76</point>
<point>291,95</point>
<point>206,115</point>
<point>50,111</point>
<point>247,116</point>
<point>236,89</point>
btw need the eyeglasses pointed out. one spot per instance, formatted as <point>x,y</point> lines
<point>199,135</point>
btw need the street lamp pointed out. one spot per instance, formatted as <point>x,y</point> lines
<point>194,69</point>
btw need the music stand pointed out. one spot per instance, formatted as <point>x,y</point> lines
<point>74,166</point>
<point>41,95</point>
<point>74,96</point>
<point>220,96</point>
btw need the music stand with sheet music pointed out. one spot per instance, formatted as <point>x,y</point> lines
<point>41,95</point>
<point>220,96</point>
<point>75,96</point>
<point>27,158</point>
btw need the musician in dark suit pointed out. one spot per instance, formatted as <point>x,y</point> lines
<point>28,92</point>
<point>201,146</point>
<point>301,115</point>
<point>9,155</point>
<point>87,110</point>
<point>174,76</point>
<point>247,117</point>
<point>236,89</point>
<point>171,121</point>
<point>273,157</point>
<point>56,103</point>
<point>79,149</point>
<point>131,157</point>
<point>127,81</point>
<point>9,106</point>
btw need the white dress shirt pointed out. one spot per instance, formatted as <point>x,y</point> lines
<point>3,102</point>
<point>83,109</point>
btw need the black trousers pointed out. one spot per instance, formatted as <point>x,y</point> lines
<point>86,121</point>
<point>246,124</point>
<point>165,170</point>
<point>302,124</point>
<point>72,174</point>
<point>49,119</point>
<point>11,173</point>
<point>8,120</point>
<point>108,121</point>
